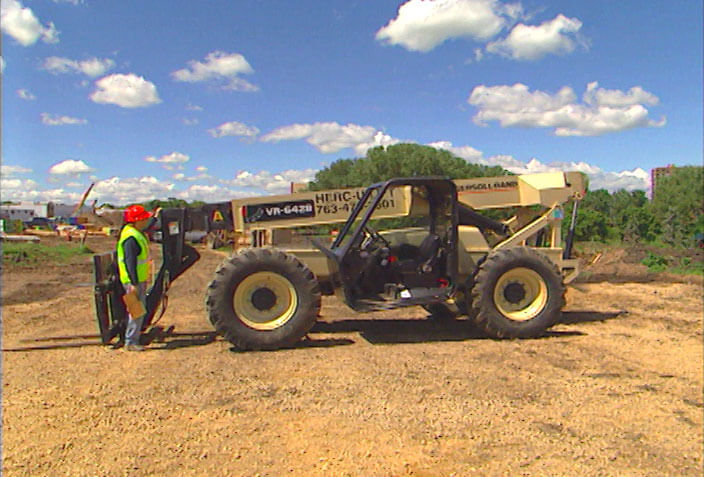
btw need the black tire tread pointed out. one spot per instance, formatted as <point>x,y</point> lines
<point>490,320</point>
<point>234,269</point>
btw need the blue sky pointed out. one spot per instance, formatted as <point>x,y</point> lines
<point>218,99</point>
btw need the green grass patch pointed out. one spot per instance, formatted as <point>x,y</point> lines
<point>687,266</point>
<point>680,266</point>
<point>655,263</point>
<point>36,253</point>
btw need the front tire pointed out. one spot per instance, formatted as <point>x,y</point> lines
<point>517,293</point>
<point>263,298</point>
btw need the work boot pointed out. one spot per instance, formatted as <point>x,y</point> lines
<point>134,347</point>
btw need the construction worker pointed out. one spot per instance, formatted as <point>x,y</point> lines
<point>133,266</point>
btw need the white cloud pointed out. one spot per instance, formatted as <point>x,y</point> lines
<point>21,24</point>
<point>616,98</point>
<point>9,170</point>
<point>189,122</point>
<point>14,184</point>
<point>202,169</point>
<point>211,193</point>
<point>422,25</point>
<point>26,95</point>
<point>219,66</point>
<point>379,139</point>
<point>478,55</point>
<point>517,106</point>
<point>184,178</point>
<point>271,183</point>
<point>598,178</point>
<point>234,128</point>
<point>528,42</point>
<point>2,64</point>
<point>92,67</point>
<point>130,190</point>
<point>70,166</point>
<point>170,162</point>
<point>332,137</point>
<point>127,91</point>
<point>193,107</point>
<point>613,181</point>
<point>467,153</point>
<point>122,191</point>
<point>28,190</point>
<point>56,120</point>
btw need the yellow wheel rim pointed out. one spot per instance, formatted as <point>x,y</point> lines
<point>520,294</point>
<point>265,300</point>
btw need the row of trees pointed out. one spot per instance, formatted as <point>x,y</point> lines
<point>400,160</point>
<point>675,215</point>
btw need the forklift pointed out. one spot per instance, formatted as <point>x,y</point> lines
<point>405,242</point>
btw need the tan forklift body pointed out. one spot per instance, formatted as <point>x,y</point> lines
<point>536,199</point>
<point>507,276</point>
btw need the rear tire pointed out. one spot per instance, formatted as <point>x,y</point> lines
<point>517,293</point>
<point>263,298</point>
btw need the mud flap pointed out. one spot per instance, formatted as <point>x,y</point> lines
<point>109,309</point>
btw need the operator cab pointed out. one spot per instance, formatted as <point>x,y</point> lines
<point>406,260</point>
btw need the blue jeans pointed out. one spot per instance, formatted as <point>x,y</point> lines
<point>134,324</point>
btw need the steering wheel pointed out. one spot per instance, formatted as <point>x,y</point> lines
<point>376,236</point>
<point>374,248</point>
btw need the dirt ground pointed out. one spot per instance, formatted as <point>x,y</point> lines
<point>615,389</point>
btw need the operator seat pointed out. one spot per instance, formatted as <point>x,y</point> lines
<point>428,253</point>
<point>422,270</point>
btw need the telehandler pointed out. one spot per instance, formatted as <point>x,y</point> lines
<point>404,242</point>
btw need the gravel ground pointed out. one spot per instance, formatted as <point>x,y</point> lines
<point>615,389</point>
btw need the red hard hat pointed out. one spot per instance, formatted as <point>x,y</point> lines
<point>135,213</point>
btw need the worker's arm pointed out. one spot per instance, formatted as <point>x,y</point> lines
<point>131,249</point>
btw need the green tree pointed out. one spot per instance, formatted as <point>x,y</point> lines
<point>678,207</point>
<point>399,160</point>
<point>170,203</point>
<point>593,219</point>
<point>631,217</point>
<point>638,224</point>
<point>598,200</point>
<point>592,225</point>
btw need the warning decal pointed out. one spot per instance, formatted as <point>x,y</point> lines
<point>217,216</point>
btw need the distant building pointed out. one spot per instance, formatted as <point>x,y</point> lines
<point>26,211</point>
<point>16,212</point>
<point>656,174</point>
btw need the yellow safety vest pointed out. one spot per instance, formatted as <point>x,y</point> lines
<point>143,262</point>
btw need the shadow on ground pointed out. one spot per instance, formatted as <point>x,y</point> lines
<point>375,331</point>
<point>576,317</point>
<point>389,331</point>
<point>157,339</point>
